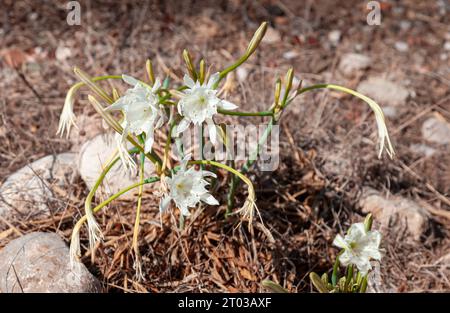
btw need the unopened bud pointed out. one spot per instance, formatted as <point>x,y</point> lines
<point>257,38</point>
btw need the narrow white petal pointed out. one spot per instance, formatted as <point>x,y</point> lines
<point>208,174</point>
<point>345,258</point>
<point>156,85</point>
<point>213,79</point>
<point>148,142</point>
<point>212,131</point>
<point>209,199</point>
<point>227,105</point>
<point>118,105</point>
<point>188,81</point>
<point>185,211</point>
<point>340,242</point>
<point>181,127</point>
<point>130,80</point>
<point>164,204</point>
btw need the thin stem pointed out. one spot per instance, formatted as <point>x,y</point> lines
<point>225,167</point>
<point>236,113</point>
<point>334,275</point>
<point>245,168</point>
<point>139,204</point>
<point>83,219</point>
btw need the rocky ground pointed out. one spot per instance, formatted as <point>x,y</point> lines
<point>329,174</point>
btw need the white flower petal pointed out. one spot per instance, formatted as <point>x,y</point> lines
<point>340,242</point>
<point>181,127</point>
<point>156,85</point>
<point>164,204</point>
<point>148,142</point>
<point>208,174</point>
<point>212,131</point>
<point>209,199</point>
<point>212,80</point>
<point>130,80</point>
<point>226,105</point>
<point>188,81</point>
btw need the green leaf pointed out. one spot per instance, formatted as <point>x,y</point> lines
<point>318,283</point>
<point>273,286</point>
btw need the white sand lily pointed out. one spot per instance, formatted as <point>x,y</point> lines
<point>142,110</point>
<point>199,104</point>
<point>187,188</point>
<point>360,246</point>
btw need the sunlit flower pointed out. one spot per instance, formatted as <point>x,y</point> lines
<point>142,110</point>
<point>360,246</point>
<point>199,104</point>
<point>187,187</point>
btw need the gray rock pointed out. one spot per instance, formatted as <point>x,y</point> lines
<point>88,126</point>
<point>351,63</point>
<point>384,91</point>
<point>401,46</point>
<point>395,212</point>
<point>422,149</point>
<point>93,156</point>
<point>28,192</point>
<point>334,37</point>
<point>437,130</point>
<point>390,111</point>
<point>39,262</point>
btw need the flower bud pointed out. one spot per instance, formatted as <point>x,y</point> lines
<point>189,65</point>
<point>149,69</point>
<point>257,38</point>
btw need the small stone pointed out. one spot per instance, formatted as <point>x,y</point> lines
<point>272,36</point>
<point>422,149</point>
<point>242,74</point>
<point>405,25</point>
<point>384,91</point>
<point>390,111</point>
<point>91,160</point>
<point>28,192</point>
<point>39,262</point>
<point>401,46</point>
<point>437,130</point>
<point>62,53</point>
<point>447,45</point>
<point>353,62</point>
<point>334,36</point>
<point>395,212</point>
<point>289,55</point>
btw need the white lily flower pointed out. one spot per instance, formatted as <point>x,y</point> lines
<point>199,104</point>
<point>142,110</point>
<point>360,246</point>
<point>187,188</point>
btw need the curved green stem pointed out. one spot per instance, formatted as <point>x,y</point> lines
<point>236,113</point>
<point>125,190</point>
<point>244,178</point>
<point>138,209</point>
<point>83,219</point>
<point>245,168</point>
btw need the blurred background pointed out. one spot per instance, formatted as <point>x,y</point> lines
<point>329,174</point>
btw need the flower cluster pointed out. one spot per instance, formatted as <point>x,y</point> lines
<point>149,106</point>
